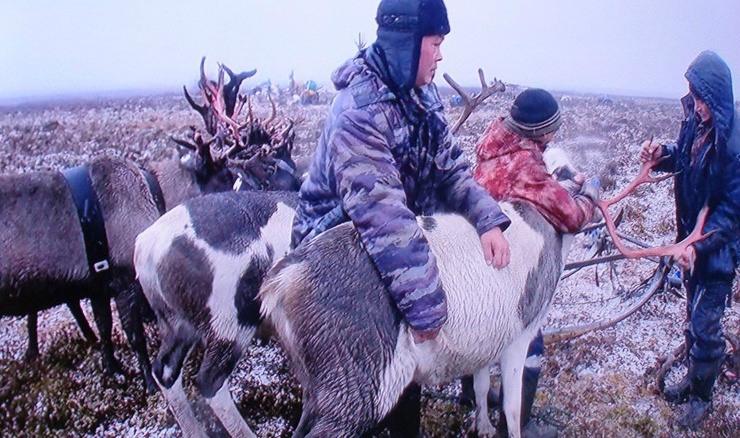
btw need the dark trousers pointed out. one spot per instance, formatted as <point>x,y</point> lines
<point>705,306</point>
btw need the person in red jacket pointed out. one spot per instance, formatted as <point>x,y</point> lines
<point>511,166</point>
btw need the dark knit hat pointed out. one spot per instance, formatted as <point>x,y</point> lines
<point>534,113</point>
<point>401,26</point>
<point>422,17</point>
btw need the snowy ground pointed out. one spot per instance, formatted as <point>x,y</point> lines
<point>596,385</point>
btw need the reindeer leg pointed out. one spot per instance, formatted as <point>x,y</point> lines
<point>225,409</point>
<point>307,416</point>
<point>104,321</point>
<point>178,403</point>
<point>512,367</point>
<point>32,352</point>
<point>130,310</point>
<point>176,345</point>
<point>219,360</point>
<point>481,385</point>
<point>79,315</point>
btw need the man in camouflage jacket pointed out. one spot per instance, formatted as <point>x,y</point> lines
<point>386,155</point>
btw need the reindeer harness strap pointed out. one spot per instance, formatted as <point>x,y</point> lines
<point>91,219</point>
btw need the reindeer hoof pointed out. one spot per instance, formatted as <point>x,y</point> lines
<point>484,429</point>
<point>31,355</point>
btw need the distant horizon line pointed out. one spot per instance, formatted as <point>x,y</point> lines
<point>123,93</point>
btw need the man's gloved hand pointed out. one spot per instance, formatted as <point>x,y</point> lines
<point>591,189</point>
<point>573,183</point>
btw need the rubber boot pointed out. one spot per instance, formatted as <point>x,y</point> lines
<point>679,393</point>
<point>702,376</point>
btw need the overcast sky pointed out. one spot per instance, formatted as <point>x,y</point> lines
<point>632,47</point>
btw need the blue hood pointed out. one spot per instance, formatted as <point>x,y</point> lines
<point>710,79</point>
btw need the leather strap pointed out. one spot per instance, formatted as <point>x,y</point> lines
<point>91,218</point>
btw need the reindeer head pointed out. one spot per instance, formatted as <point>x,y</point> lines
<point>248,150</point>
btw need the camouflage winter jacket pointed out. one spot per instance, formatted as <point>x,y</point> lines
<point>510,166</point>
<point>365,170</point>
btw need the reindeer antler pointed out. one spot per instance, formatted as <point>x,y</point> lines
<point>231,89</point>
<point>673,250</point>
<point>253,147</point>
<point>471,102</point>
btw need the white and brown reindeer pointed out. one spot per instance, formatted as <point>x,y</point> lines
<point>354,355</point>
<point>200,266</point>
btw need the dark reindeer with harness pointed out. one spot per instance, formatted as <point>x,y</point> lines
<point>70,235</point>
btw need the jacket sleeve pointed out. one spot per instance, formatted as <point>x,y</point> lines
<point>372,193</point>
<point>463,194</point>
<point>568,213</point>
<point>724,217</point>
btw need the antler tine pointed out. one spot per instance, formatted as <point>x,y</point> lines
<point>488,89</point>
<point>241,99</point>
<point>211,91</point>
<point>205,111</point>
<point>274,111</point>
<point>198,145</point>
<point>360,43</point>
<point>643,176</point>
<point>231,89</point>
<point>284,139</point>
<point>249,119</point>
<point>184,143</point>
<point>224,153</point>
<point>472,102</point>
<point>250,113</point>
<point>202,110</point>
<point>203,83</point>
<point>673,250</point>
<point>214,94</point>
<point>220,86</point>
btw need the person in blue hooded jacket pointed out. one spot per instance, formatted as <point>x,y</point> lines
<point>386,155</point>
<point>706,157</point>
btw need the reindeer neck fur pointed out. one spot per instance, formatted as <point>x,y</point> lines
<point>178,183</point>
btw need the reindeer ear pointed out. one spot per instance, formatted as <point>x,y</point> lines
<point>189,161</point>
<point>182,151</point>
